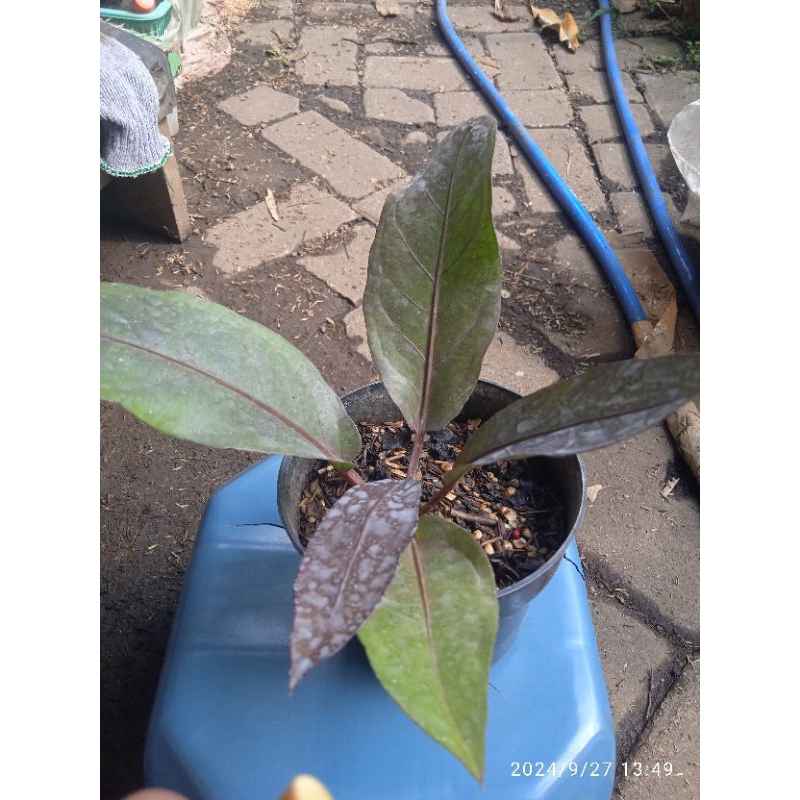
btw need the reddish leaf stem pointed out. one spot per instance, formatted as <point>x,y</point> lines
<point>352,477</point>
<point>416,452</point>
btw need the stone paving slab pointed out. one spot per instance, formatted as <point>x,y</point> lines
<point>615,163</point>
<point>481,20</point>
<point>673,736</point>
<point>350,166</point>
<point>602,122</point>
<point>668,94</point>
<point>549,108</point>
<point>629,651</point>
<point>335,12</point>
<point>276,31</point>
<point>632,214</point>
<point>396,106</point>
<point>525,64</point>
<point>331,56</point>
<point>370,207</point>
<point>589,56</point>
<point>633,52</point>
<point>565,151</point>
<point>252,236</point>
<point>639,539</point>
<point>509,364</point>
<point>594,85</point>
<point>260,104</point>
<point>413,72</point>
<point>345,269</point>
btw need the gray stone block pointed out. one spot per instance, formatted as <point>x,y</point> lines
<point>260,104</point>
<point>350,166</point>
<point>595,86</point>
<point>252,236</point>
<point>602,122</point>
<point>525,64</point>
<point>668,94</point>
<point>330,56</point>
<point>674,737</point>
<point>414,73</point>
<point>565,151</point>
<point>394,105</point>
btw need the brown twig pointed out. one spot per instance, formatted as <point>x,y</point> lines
<point>454,512</point>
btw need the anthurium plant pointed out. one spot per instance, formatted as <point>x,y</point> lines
<point>414,586</point>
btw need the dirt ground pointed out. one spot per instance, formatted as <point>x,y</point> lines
<point>153,489</point>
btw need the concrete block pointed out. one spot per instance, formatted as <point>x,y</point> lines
<point>349,165</point>
<point>260,104</point>
<point>252,236</point>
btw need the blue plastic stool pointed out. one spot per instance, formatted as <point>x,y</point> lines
<point>224,728</point>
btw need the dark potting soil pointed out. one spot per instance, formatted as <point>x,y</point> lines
<point>510,508</point>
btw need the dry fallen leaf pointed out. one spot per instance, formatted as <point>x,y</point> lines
<point>593,491</point>
<point>387,8</point>
<point>272,206</point>
<point>567,28</point>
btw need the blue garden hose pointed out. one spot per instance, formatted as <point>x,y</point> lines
<point>684,269</point>
<point>586,226</point>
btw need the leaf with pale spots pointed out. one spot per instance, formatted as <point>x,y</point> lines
<point>348,566</point>
<point>600,407</point>
<point>199,371</point>
<point>432,298</point>
<point>430,640</point>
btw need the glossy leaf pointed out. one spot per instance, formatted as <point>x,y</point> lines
<point>348,566</point>
<point>432,299</point>
<point>430,640</point>
<point>197,370</point>
<point>602,406</point>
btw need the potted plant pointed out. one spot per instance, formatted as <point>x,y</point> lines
<point>402,529</point>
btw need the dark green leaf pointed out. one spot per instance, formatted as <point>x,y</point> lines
<point>196,370</point>
<point>433,288</point>
<point>347,567</point>
<point>593,410</point>
<point>430,640</point>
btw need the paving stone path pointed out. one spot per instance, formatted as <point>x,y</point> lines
<point>356,116</point>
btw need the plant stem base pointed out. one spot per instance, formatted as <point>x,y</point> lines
<point>224,728</point>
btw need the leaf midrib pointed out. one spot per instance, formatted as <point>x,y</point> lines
<point>356,549</point>
<point>422,416</point>
<point>235,389</point>
<point>420,573</point>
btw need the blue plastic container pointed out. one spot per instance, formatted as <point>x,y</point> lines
<point>224,728</point>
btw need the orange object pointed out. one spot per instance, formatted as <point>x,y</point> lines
<point>144,6</point>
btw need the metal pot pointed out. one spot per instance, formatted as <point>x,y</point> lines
<point>372,404</point>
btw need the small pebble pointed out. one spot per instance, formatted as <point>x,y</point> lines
<point>511,491</point>
<point>508,546</point>
<point>488,549</point>
<point>478,535</point>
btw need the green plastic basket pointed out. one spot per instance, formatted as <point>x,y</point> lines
<point>152,24</point>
